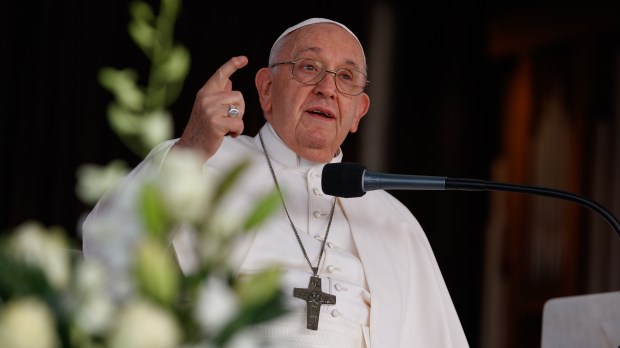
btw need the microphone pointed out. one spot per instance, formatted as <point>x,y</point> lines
<point>354,180</point>
<point>349,180</point>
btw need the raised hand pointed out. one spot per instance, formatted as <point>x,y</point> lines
<point>209,121</point>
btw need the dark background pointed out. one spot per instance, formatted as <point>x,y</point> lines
<point>446,94</point>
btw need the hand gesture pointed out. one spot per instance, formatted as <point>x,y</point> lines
<point>209,121</point>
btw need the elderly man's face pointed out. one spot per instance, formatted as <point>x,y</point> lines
<point>313,120</point>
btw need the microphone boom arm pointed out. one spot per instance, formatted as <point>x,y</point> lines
<point>482,185</point>
<point>354,180</point>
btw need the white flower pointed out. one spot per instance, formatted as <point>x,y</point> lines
<point>90,278</point>
<point>217,237</point>
<point>48,250</point>
<point>185,189</point>
<point>216,240</point>
<point>155,128</point>
<point>96,309</point>
<point>27,323</point>
<point>144,325</point>
<point>244,339</point>
<point>95,314</point>
<point>225,224</point>
<point>94,180</point>
<point>216,305</point>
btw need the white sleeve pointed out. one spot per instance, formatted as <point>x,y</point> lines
<point>114,223</point>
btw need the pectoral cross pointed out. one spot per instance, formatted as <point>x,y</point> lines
<point>314,298</point>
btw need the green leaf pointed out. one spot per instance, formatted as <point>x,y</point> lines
<point>231,178</point>
<point>112,78</point>
<point>154,213</point>
<point>141,10</point>
<point>122,121</point>
<point>123,84</point>
<point>19,279</point>
<point>143,34</point>
<point>175,66</point>
<point>259,288</point>
<point>267,305</point>
<point>262,209</point>
<point>170,8</point>
<point>157,274</point>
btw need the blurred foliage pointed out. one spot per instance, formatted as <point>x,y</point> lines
<point>139,114</point>
<point>50,296</point>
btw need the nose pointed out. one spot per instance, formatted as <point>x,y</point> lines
<point>327,85</point>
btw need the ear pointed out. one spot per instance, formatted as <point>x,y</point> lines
<point>362,108</point>
<point>263,86</point>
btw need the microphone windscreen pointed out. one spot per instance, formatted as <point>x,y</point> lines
<point>343,179</point>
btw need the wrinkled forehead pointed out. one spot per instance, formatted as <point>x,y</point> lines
<point>312,21</point>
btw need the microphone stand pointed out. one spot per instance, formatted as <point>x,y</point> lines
<point>482,185</point>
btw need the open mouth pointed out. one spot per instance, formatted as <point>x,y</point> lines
<point>321,113</point>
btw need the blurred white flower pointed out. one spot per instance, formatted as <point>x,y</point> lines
<point>27,323</point>
<point>89,278</point>
<point>244,339</point>
<point>93,180</point>
<point>142,324</point>
<point>46,249</point>
<point>156,127</point>
<point>225,225</point>
<point>215,242</point>
<point>96,309</point>
<point>95,314</point>
<point>185,189</point>
<point>216,305</point>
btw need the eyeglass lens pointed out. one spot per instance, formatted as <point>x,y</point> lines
<point>312,72</point>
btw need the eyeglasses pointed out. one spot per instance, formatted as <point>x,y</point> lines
<point>311,72</point>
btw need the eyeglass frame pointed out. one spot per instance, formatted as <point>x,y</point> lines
<point>333,72</point>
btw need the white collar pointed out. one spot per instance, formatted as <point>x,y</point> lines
<point>279,152</point>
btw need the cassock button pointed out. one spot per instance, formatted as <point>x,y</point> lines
<point>332,269</point>
<point>340,287</point>
<point>317,214</point>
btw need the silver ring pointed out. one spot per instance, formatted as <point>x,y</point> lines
<point>233,111</point>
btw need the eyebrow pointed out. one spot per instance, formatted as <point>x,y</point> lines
<point>317,50</point>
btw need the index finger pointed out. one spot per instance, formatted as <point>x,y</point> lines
<point>221,77</point>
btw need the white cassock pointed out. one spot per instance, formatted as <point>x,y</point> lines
<point>377,260</point>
